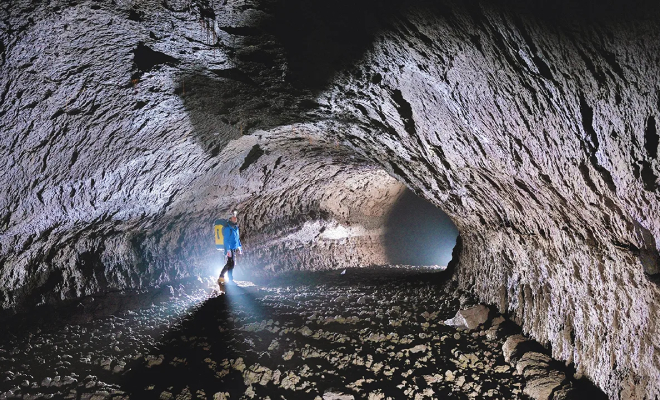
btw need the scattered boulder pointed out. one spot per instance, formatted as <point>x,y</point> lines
<point>500,327</point>
<point>533,364</point>
<point>542,387</point>
<point>469,318</point>
<point>542,380</point>
<point>337,396</point>
<point>517,345</point>
<point>566,393</point>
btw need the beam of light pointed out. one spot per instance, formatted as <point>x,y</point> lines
<point>338,232</point>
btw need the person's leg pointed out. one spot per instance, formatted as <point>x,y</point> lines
<point>230,267</point>
<point>224,269</point>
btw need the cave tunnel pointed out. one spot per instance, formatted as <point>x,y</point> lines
<point>436,199</point>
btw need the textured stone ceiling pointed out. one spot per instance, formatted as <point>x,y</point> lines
<point>126,124</point>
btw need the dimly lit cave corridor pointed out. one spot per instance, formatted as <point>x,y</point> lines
<point>514,142</point>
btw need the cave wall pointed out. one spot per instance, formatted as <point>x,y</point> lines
<point>130,125</point>
<point>538,137</point>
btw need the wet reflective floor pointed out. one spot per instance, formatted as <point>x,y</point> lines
<point>371,333</point>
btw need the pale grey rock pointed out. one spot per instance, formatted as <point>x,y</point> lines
<point>166,395</point>
<point>532,364</point>
<point>497,321</point>
<point>69,380</point>
<point>493,333</point>
<point>542,387</point>
<point>469,318</point>
<point>566,393</point>
<point>337,396</point>
<point>104,395</point>
<point>514,347</point>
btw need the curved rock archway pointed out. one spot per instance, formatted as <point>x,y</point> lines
<point>533,126</point>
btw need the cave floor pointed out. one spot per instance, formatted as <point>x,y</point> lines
<point>372,333</point>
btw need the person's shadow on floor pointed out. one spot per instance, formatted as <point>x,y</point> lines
<point>191,354</point>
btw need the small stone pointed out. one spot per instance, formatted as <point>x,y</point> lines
<point>449,376</point>
<point>493,333</point>
<point>102,395</point>
<point>69,380</point>
<point>305,331</point>
<point>460,381</point>
<point>501,369</point>
<point>337,396</point>
<point>418,349</point>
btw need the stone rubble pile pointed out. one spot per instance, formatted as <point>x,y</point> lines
<point>374,333</point>
<point>87,361</point>
<point>545,379</point>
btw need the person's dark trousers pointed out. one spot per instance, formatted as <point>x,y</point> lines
<point>229,268</point>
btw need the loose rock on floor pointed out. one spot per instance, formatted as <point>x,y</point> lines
<point>373,333</point>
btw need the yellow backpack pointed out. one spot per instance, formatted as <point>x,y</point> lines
<point>219,237</point>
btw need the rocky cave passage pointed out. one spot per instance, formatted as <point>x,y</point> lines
<point>127,126</point>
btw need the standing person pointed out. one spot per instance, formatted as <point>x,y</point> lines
<point>232,246</point>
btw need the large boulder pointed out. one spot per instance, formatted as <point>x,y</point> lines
<point>516,346</point>
<point>533,364</point>
<point>469,318</point>
<point>542,387</point>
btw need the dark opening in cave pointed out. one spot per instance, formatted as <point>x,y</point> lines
<point>418,233</point>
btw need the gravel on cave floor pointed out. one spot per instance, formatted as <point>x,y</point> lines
<point>372,333</point>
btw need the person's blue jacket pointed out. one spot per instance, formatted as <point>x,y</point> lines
<point>231,236</point>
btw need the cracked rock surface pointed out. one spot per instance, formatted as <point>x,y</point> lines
<point>128,126</point>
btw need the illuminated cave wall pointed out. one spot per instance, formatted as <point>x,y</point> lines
<point>534,126</point>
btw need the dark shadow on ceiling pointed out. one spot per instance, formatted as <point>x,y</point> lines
<point>220,108</point>
<point>320,38</point>
<point>278,60</point>
<point>587,11</point>
<point>418,233</point>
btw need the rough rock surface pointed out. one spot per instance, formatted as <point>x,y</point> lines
<point>470,318</point>
<point>543,387</point>
<point>516,346</point>
<point>302,336</point>
<point>534,126</point>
